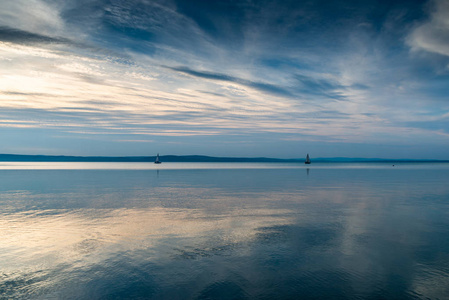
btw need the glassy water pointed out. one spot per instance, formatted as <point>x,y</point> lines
<point>226,231</point>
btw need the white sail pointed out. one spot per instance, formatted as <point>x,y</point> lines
<point>157,159</point>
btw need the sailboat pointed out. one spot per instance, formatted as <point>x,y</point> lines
<point>157,161</point>
<point>307,162</point>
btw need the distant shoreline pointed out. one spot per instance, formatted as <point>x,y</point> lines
<point>192,158</point>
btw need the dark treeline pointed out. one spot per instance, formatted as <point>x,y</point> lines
<point>188,158</point>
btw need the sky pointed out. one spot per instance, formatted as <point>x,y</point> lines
<point>225,78</point>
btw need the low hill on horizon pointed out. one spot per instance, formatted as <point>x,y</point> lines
<point>189,158</point>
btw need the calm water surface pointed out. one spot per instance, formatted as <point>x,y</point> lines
<point>224,231</point>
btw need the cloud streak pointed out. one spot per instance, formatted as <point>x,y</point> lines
<point>260,86</point>
<point>18,36</point>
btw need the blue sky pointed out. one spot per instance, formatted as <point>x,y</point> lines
<point>225,78</point>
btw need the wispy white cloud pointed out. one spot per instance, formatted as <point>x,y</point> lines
<point>37,16</point>
<point>432,35</point>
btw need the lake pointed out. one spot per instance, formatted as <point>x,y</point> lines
<point>224,231</point>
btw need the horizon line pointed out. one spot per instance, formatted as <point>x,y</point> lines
<point>192,157</point>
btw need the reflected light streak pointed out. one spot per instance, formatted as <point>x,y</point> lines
<point>59,237</point>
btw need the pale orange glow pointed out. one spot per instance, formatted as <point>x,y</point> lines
<point>66,237</point>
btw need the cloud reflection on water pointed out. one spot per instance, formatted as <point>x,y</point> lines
<point>66,236</point>
<point>231,233</point>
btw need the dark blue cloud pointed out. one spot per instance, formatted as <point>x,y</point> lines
<point>264,87</point>
<point>14,35</point>
<point>15,93</point>
<point>305,86</point>
<point>319,86</point>
<point>23,37</point>
<point>360,86</point>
